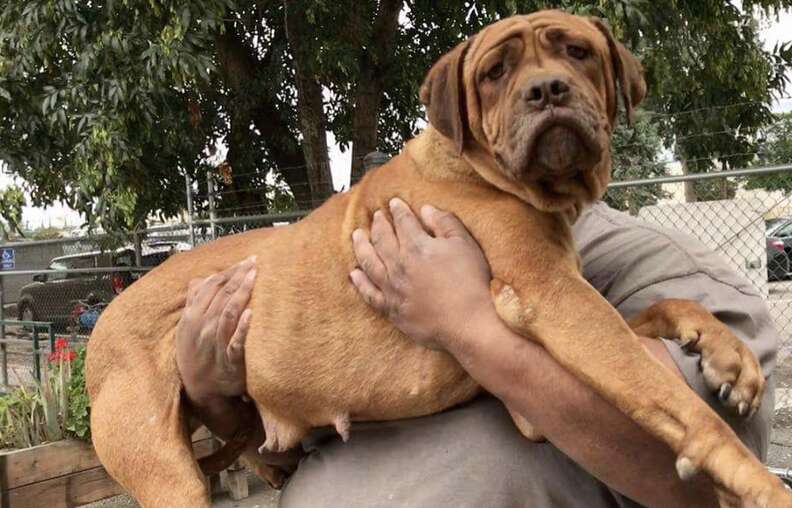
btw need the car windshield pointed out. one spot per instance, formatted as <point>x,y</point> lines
<point>772,225</point>
<point>58,265</point>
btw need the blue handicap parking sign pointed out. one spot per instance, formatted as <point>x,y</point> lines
<point>7,259</point>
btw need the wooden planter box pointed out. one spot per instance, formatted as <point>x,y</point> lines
<point>64,474</point>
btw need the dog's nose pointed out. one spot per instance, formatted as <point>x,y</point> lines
<point>547,90</point>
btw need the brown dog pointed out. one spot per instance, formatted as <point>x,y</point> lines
<point>521,117</point>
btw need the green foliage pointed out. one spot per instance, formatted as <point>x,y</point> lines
<point>52,410</point>
<point>45,234</point>
<point>12,200</point>
<point>776,150</point>
<point>636,155</point>
<point>20,417</point>
<point>78,421</point>
<point>108,104</point>
<point>93,100</point>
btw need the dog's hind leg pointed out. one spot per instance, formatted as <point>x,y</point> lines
<point>141,437</point>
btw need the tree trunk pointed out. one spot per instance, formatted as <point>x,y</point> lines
<point>310,104</point>
<point>240,68</point>
<point>690,187</point>
<point>243,199</point>
<point>374,61</point>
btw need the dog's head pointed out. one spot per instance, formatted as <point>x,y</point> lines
<point>531,101</point>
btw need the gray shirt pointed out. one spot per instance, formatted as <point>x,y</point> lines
<point>473,456</point>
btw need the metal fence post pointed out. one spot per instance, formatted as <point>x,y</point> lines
<point>190,226</point>
<point>138,248</point>
<point>36,357</point>
<point>374,159</point>
<point>3,349</point>
<point>211,191</point>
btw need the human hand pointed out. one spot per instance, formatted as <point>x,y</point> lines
<point>210,336</point>
<point>431,286</point>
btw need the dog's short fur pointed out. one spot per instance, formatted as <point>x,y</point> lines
<point>521,118</point>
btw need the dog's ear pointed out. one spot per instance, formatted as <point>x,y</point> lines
<point>443,94</point>
<point>627,70</point>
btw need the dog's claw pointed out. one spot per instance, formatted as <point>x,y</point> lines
<point>685,468</point>
<point>742,408</point>
<point>725,391</point>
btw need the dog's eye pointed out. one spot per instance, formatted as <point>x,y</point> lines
<point>496,71</point>
<point>577,52</point>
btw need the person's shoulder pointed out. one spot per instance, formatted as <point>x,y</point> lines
<point>621,254</point>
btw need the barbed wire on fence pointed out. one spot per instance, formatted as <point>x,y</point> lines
<point>686,112</point>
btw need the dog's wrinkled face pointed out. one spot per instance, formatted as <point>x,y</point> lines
<point>536,96</point>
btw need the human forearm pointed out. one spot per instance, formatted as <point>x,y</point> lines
<point>414,279</point>
<point>570,414</point>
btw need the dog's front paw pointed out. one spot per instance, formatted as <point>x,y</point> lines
<point>729,367</point>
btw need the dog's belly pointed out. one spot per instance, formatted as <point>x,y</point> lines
<point>316,352</point>
<point>357,367</point>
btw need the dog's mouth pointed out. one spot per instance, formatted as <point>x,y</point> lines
<point>559,188</point>
<point>556,152</point>
<point>561,146</point>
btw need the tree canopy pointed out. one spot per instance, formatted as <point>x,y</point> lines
<point>776,150</point>
<point>109,104</point>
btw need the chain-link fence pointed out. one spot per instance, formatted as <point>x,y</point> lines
<point>746,216</point>
<point>57,288</point>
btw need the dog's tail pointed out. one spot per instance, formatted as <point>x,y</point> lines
<point>229,452</point>
<point>270,467</point>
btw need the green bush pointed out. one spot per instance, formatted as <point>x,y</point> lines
<point>78,421</point>
<point>54,409</point>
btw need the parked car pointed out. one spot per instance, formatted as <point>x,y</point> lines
<point>57,296</point>
<point>778,235</point>
<point>773,224</point>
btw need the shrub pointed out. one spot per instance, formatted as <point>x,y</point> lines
<point>52,409</point>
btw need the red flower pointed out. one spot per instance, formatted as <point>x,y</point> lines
<point>62,352</point>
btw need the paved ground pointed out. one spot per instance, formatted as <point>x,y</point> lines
<point>780,289</point>
<point>261,496</point>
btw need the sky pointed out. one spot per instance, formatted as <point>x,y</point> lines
<point>60,215</point>
<point>779,32</point>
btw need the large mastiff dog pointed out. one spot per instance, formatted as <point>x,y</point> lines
<point>521,118</point>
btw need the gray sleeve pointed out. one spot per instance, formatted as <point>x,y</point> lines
<point>746,315</point>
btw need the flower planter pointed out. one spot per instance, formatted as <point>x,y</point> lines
<point>64,474</point>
